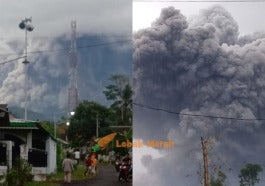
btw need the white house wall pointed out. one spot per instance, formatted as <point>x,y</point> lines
<point>51,149</point>
<point>24,151</point>
<point>29,139</point>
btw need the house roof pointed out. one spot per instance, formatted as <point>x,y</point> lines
<point>62,141</point>
<point>3,107</point>
<point>20,124</point>
<point>23,124</point>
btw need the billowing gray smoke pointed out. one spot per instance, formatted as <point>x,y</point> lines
<point>42,73</point>
<point>47,80</point>
<point>199,67</point>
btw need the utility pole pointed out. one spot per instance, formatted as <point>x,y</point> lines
<point>28,27</point>
<point>205,161</point>
<point>54,127</point>
<point>97,127</point>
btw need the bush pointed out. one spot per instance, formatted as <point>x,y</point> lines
<point>19,174</point>
<point>60,157</point>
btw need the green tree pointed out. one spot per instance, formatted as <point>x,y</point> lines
<point>123,137</point>
<point>48,126</point>
<point>83,124</point>
<point>19,174</point>
<point>249,174</point>
<point>127,135</point>
<point>219,180</point>
<point>120,92</point>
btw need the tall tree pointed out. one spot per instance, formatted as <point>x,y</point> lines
<point>249,174</point>
<point>120,92</point>
<point>83,124</point>
<point>219,180</point>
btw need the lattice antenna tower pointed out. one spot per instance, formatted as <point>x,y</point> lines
<point>73,93</point>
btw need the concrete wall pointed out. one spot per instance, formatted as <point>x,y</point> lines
<point>24,148</point>
<point>39,173</point>
<point>51,149</point>
<point>29,139</point>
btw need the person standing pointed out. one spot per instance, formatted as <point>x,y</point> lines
<point>126,159</point>
<point>68,168</point>
<point>88,163</point>
<point>77,156</point>
<point>93,163</point>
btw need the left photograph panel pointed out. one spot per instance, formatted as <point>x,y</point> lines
<point>66,92</point>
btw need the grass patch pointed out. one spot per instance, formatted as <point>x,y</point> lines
<point>78,173</point>
<point>53,179</point>
<point>46,183</point>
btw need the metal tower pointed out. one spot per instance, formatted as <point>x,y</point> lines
<point>73,97</point>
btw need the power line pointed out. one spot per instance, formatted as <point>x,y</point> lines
<point>64,49</point>
<point>78,47</point>
<point>196,115</point>
<point>81,47</point>
<point>11,60</point>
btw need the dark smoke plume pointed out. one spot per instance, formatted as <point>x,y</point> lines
<point>199,67</point>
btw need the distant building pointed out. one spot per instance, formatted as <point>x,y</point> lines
<point>27,140</point>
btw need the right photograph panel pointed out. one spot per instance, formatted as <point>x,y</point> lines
<point>199,93</point>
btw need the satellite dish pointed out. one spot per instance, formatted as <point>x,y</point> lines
<point>30,28</point>
<point>22,25</point>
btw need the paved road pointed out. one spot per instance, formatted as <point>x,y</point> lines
<point>107,176</point>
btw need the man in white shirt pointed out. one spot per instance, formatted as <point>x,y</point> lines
<point>77,156</point>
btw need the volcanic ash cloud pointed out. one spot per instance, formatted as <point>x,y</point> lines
<point>202,67</point>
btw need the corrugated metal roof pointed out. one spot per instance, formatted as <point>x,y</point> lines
<point>20,124</point>
<point>22,128</point>
<point>23,124</point>
<point>62,141</point>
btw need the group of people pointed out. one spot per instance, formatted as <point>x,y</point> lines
<point>91,164</point>
<point>68,166</point>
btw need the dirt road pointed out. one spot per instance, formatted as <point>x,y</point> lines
<point>107,176</point>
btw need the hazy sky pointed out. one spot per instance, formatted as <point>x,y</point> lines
<point>249,15</point>
<point>52,18</point>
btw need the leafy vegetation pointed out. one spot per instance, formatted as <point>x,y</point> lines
<point>124,136</point>
<point>120,92</point>
<point>249,174</point>
<point>19,174</point>
<point>41,184</point>
<point>55,179</point>
<point>219,180</point>
<point>60,156</point>
<point>83,123</point>
<point>48,126</point>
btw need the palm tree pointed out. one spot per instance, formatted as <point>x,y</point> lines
<point>121,93</point>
